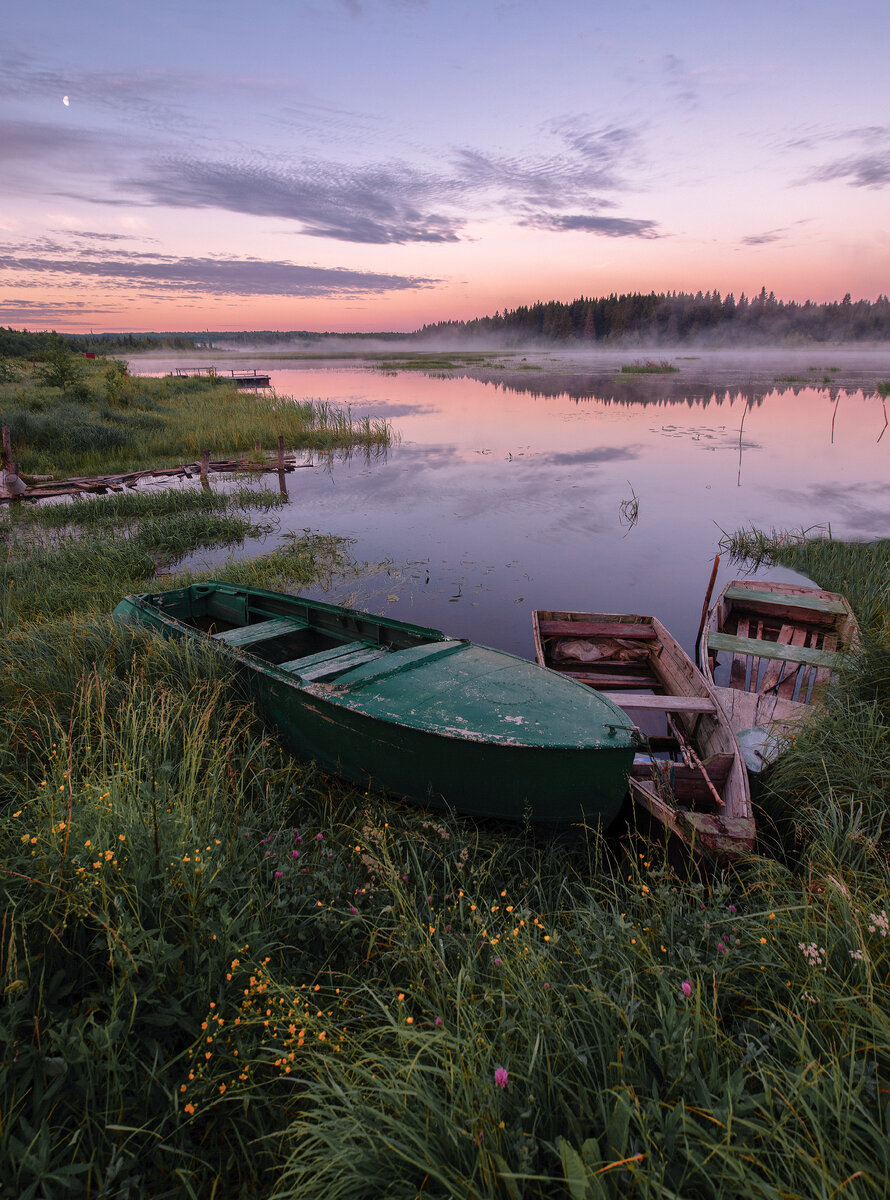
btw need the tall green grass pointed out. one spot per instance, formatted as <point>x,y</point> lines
<point>109,421</point>
<point>224,973</point>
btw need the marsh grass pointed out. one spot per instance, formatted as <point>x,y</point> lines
<point>224,973</point>
<point>649,367</point>
<point>108,421</point>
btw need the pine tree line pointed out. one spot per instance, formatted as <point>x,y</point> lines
<point>668,318</point>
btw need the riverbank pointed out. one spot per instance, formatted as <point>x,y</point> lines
<point>72,416</point>
<point>224,971</point>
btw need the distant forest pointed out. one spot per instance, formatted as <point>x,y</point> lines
<point>654,319</point>
<point>669,318</point>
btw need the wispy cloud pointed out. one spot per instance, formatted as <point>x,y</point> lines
<point>866,165</point>
<point>376,205</point>
<point>158,274</point>
<point>763,239</point>
<point>615,227</point>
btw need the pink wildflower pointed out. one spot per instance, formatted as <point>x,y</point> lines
<point>501,1077</point>
<point>686,987</point>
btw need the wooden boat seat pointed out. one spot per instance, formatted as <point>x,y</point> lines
<point>780,600</point>
<point>262,631</point>
<point>607,629</point>
<point>693,704</point>
<point>333,661</point>
<point>759,648</point>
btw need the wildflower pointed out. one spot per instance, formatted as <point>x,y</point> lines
<point>501,1077</point>
<point>438,1020</point>
<point>881,924</point>
<point>686,987</point>
<point>279,874</point>
<point>190,1108</point>
<point>295,853</point>
<point>856,954</point>
<point>814,954</point>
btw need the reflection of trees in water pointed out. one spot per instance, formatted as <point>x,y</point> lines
<point>634,390</point>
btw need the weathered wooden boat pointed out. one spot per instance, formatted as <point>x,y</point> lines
<point>442,721</point>
<point>692,777</point>
<point>770,649</point>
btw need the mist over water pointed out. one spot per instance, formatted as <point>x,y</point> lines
<point>555,481</point>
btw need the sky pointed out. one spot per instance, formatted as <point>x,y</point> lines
<point>375,165</point>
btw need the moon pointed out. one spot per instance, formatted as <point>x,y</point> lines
<point>65,101</point>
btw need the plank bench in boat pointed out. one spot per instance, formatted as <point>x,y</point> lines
<point>761,648</point>
<point>334,661</point>
<point>595,629</point>
<point>689,704</point>
<point>260,631</point>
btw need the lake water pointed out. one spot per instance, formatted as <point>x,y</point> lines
<point>557,482</point>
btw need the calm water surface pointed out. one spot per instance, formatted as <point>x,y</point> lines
<point>559,483</point>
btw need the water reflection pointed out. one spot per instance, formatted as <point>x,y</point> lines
<point>562,489</point>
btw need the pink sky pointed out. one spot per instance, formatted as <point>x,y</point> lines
<point>366,165</point>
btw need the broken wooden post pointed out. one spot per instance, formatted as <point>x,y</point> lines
<point>205,463</point>
<point>281,454</point>
<point>7,449</point>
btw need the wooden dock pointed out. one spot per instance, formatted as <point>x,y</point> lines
<point>254,379</point>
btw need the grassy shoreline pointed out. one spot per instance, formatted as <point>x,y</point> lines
<point>70,416</point>
<point>225,973</point>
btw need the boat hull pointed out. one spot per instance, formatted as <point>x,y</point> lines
<point>443,722</point>
<point>694,780</point>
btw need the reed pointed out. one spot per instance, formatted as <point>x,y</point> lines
<point>112,422</point>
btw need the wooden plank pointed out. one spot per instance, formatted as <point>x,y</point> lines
<point>788,686</point>
<point>829,644</point>
<point>776,666</point>
<point>819,604</point>
<point>595,629</point>
<point>596,680</point>
<point>756,647</point>
<point>331,662</point>
<point>694,704</point>
<point>738,672</point>
<point>262,631</point>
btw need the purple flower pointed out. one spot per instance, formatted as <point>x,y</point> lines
<point>497,962</point>
<point>295,853</point>
<point>732,908</point>
<point>686,987</point>
<point>353,911</point>
<point>279,874</point>
<point>438,1020</point>
<point>501,1077</point>
<point>319,837</point>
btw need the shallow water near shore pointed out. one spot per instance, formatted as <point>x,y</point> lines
<point>544,480</point>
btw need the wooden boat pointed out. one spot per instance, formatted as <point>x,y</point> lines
<point>693,777</point>
<point>439,720</point>
<point>770,649</point>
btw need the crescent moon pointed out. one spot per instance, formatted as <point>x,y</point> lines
<point>65,101</point>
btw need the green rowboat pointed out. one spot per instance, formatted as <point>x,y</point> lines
<point>441,721</point>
